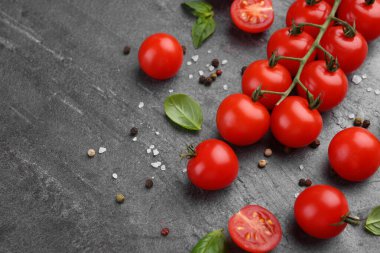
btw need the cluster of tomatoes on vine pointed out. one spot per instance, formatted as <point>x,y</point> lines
<point>312,55</point>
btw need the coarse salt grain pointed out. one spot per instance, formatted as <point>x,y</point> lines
<point>195,58</point>
<point>351,116</point>
<point>141,104</point>
<point>364,76</point>
<point>156,164</point>
<point>149,151</point>
<point>191,76</point>
<point>171,91</point>
<point>157,133</point>
<point>151,146</point>
<point>224,62</point>
<point>209,51</point>
<point>134,139</point>
<point>155,152</point>
<point>301,167</point>
<point>163,167</point>
<point>184,170</point>
<point>356,79</point>
<point>102,150</point>
<point>377,92</point>
<point>211,68</point>
<point>188,63</point>
<point>369,89</point>
<point>208,65</point>
<point>225,87</point>
<point>296,195</point>
<point>114,175</point>
<point>201,73</point>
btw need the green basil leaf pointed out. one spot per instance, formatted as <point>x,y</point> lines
<point>372,223</point>
<point>199,8</point>
<point>214,242</point>
<point>202,30</point>
<point>184,111</point>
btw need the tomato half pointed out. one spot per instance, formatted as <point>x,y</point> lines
<point>354,154</point>
<point>294,124</point>
<point>242,121</point>
<point>160,56</point>
<point>351,52</point>
<point>366,16</point>
<point>332,86</point>
<point>255,229</point>
<point>276,78</point>
<point>290,45</point>
<point>319,209</point>
<point>301,12</point>
<point>215,165</point>
<point>253,16</point>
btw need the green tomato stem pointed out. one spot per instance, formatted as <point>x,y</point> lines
<point>325,51</point>
<point>280,57</point>
<point>310,24</point>
<point>271,92</point>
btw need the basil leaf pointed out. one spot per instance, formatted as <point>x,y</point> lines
<point>372,223</point>
<point>199,8</point>
<point>184,111</point>
<point>202,30</point>
<point>214,242</point>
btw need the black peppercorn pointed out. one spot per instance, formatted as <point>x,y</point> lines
<point>215,63</point>
<point>308,182</point>
<point>202,79</point>
<point>184,49</point>
<point>134,131</point>
<point>358,122</point>
<point>126,50</point>
<point>315,144</point>
<point>243,70</point>
<point>149,183</point>
<point>208,81</point>
<point>302,182</point>
<point>366,123</point>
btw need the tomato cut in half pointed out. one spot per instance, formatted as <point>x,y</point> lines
<point>255,229</point>
<point>253,16</point>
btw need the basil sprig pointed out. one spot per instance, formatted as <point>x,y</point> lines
<point>372,223</point>
<point>184,111</point>
<point>204,27</point>
<point>214,242</point>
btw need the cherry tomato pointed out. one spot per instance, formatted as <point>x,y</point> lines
<point>242,121</point>
<point>255,229</point>
<point>330,2</point>
<point>276,78</point>
<point>366,16</point>
<point>214,166</point>
<point>332,86</point>
<point>351,52</point>
<point>301,12</point>
<point>160,56</point>
<point>354,154</point>
<point>294,124</point>
<point>319,209</point>
<point>253,16</point>
<point>290,45</point>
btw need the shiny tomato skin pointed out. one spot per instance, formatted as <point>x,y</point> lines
<point>245,224</point>
<point>160,56</point>
<point>301,12</point>
<point>241,121</point>
<point>291,46</point>
<point>255,16</point>
<point>295,125</point>
<point>366,17</point>
<point>275,78</point>
<point>354,154</point>
<point>351,52</point>
<point>330,2</point>
<point>332,86</point>
<point>214,167</point>
<point>318,209</point>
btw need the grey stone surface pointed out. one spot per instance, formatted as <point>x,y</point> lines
<point>65,87</point>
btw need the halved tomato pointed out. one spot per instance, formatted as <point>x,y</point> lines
<point>253,16</point>
<point>255,229</point>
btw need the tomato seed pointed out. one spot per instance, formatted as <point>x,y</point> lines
<point>119,198</point>
<point>358,122</point>
<point>126,50</point>
<point>165,232</point>
<point>149,183</point>
<point>268,152</point>
<point>366,123</point>
<point>134,131</point>
<point>91,152</point>
<point>262,164</point>
<point>315,144</point>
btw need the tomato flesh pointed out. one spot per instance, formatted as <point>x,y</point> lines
<point>253,16</point>
<point>255,229</point>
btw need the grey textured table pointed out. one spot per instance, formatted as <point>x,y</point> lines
<point>65,86</point>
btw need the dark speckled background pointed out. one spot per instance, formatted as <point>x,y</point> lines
<point>65,86</point>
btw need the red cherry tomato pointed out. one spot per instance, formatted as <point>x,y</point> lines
<point>242,121</point>
<point>290,45</point>
<point>351,52</point>
<point>214,166</point>
<point>366,16</point>
<point>319,209</point>
<point>354,154</point>
<point>294,124</point>
<point>253,16</point>
<point>160,56</point>
<point>276,78</point>
<point>330,2</point>
<point>332,86</point>
<point>301,12</point>
<point>255,229</point>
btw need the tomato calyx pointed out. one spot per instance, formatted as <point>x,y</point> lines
<point>332,63</point>
<point>273,60</point>
<point>349,219</point>
<point>189,152</point>
<point>348,30</point>
<point>257,94</point>
<point>369,2</point>
<point>295,29</point>
<point>312,2</point>
<point>314,103</point>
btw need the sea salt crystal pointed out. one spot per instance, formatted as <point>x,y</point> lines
<point>163,167</point>
<point>208,65</point>
<point>134,139</point>
<point>191,76</point>
<point>224,62</point>
<point>151,146</point>
<point>171,91</point>
<point>102,150</point>
<point>155,152</point>
<point>195,58</point>
<point>356,79</point>
<point>351,116</point>
<point>211,68</point>
<point>377,92</point>
<point>188,63</point>
<point>296,195</point>
<point>156,164</point>
<point>114,175</point>
<point>364,76</point>
<point>301,167</point>
<point>157,133</point>
<point>141,104</point>
<point>201,73</point>
<point>209,51</point>
<point>149,151</point>
<point>184,170</point>
<point>225,87</point>
<point>369,89</point>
